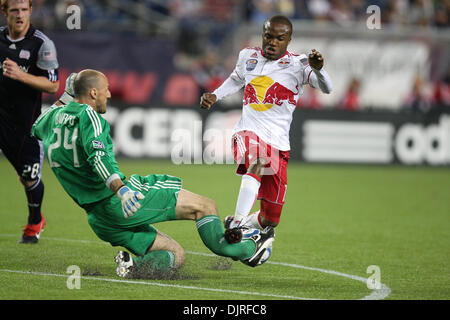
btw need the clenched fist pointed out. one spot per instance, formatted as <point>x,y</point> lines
<point>315,59</point>
<point>207,100</point>
<point>12,70</point>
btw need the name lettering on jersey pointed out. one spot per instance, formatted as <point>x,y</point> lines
<point>262,93</point>
<point>24,68</point>
<point>64,118</point>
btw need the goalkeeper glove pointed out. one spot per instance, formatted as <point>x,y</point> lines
<point>68,94</point>
<point>130,200</point>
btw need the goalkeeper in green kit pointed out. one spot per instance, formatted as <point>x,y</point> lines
<point>121,211</point>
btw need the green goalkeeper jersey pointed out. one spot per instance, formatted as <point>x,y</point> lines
<point>79,150</point>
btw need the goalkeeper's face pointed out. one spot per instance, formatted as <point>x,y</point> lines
<point>17,14</point>
<point>103,94</point>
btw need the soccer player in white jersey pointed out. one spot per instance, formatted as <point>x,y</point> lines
<point>273,80</point>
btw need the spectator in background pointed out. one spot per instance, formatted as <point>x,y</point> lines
<point>262,10</point>
<point>209,72</point>
<point>319,9</point>
<point>421,12</point>
<point>286,8</point>
<point>350,100</point>
<point>203,22</point>
<point>219,14</point>
<point>309,99</point>
<point>397,12</point>
<point>188,14</point>
<point>441,92</point>
<point>418,100</point>
<point>341,13</point>
<point>42,10</point>
<point>359,8</point>
<point>442,11</point>
<point>301,10</point>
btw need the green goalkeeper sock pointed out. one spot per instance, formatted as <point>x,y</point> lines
<point>212,233</point>
<point>160,260</point>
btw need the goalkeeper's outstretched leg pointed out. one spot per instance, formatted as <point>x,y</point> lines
<point>191,206</point>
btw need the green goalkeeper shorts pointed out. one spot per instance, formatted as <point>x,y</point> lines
<point>135,233</point>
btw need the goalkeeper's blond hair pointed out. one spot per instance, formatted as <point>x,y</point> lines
<point>5,3</point>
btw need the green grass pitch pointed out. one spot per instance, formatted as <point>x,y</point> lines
<point>337,221</point>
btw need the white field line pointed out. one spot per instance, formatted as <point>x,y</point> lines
<point>376,294</point>
<point>160,285</point>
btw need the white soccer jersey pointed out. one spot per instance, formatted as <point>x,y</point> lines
<point>272,89</point>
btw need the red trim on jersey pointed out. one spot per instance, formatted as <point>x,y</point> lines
<point>284,54</point>
<point>309,75</point>
<point>239,76</point>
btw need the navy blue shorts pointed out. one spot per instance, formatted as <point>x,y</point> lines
<point>24,152</point>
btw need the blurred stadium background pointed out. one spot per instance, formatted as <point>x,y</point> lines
<point>391,97</point>
<point>390,105</point>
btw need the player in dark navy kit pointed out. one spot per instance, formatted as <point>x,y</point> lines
<point>28,67</point>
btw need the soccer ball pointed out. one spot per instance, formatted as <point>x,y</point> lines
<point>263,258</point>
<point>264,241</point>
<point>266,255</point>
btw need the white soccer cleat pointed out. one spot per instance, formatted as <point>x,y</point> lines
<point>227,221</point>
<point>230,222</point>
<point>124,264</point>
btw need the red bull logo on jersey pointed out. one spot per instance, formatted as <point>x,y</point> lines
<point>262,93</point>
<point>284,63</point>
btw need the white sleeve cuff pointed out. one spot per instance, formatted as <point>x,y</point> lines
<point>323,80</point>
<point>111,179</point>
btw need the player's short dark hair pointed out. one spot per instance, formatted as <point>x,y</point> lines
<point>279,19</point>
<point>85,81</point>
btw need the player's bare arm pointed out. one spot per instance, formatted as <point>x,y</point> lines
<point>315,59</point>
<point>115,185</point>
<point>207,100</point>
<point>12,70</point>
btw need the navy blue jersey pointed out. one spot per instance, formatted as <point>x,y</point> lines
<point>35,54</point>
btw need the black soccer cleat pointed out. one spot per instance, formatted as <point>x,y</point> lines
<point>29,239</point>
